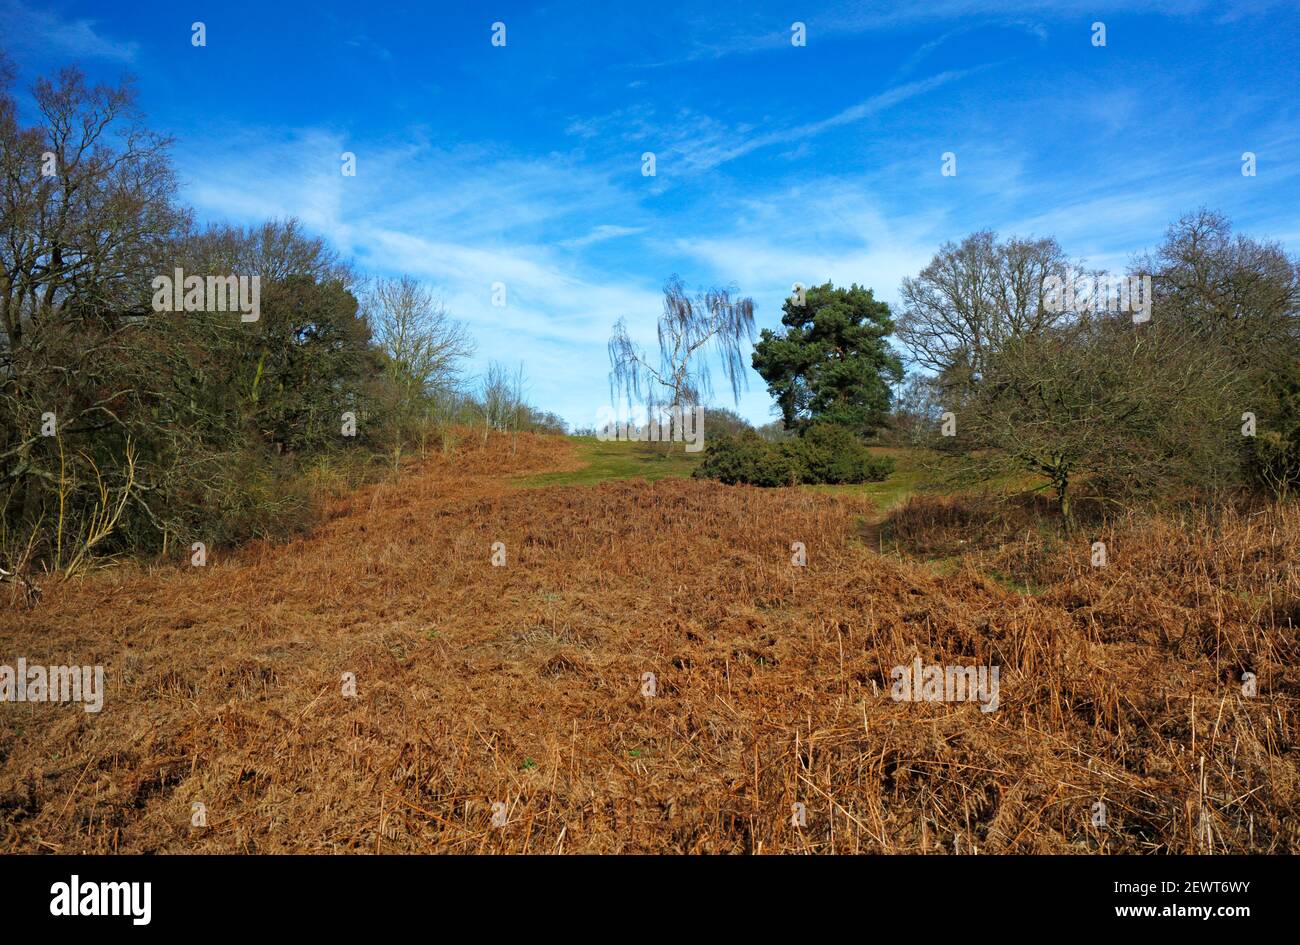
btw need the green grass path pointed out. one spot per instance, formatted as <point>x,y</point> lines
<point>611,460</point>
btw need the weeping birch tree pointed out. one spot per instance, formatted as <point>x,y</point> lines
<point>692,331</point>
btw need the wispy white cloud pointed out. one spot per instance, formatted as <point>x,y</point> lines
<point>461,221</point>
<point>716,34</point>
<point>689,142</point>
<point>378,50</point>
<point>927,49</point>
<point>31,28</point>
<point>606,231</point>
<point>847,191</point>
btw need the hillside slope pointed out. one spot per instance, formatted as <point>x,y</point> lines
<point>522,685</point>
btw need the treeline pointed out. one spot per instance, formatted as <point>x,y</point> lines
<point>125,426</point>
<point>1180,376</point>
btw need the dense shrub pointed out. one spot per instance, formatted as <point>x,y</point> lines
<point>834,454</point>
<point>749,459</point>
<point>825,453</point>
<point>1272,455</point>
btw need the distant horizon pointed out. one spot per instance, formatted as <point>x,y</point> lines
<point>774,163</point>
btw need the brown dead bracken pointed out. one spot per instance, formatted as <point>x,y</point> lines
<point>521,686</point>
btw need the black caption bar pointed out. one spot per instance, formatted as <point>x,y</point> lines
<point>140,896</point>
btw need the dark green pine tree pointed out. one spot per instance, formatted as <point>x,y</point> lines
<point>832,364</point>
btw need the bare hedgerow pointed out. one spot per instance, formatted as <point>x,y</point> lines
<point>1098,408</point>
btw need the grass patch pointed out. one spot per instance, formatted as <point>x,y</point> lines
<point>894,489</point>
<point>1022,586</point>
<point>607,461</point>
<point>618,459</point>
<point>943,566</point>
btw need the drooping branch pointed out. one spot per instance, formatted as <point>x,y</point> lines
<point>689,330</point>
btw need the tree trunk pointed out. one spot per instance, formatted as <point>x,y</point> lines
<point>1063,501</point>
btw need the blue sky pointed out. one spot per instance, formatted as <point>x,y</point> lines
<point>774,164</point>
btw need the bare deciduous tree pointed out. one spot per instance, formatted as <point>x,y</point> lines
<point>1234,290</point>
<point>425,351</point>
<point>413,328</point>
<point>79,237</point>
<point>973,297</point>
